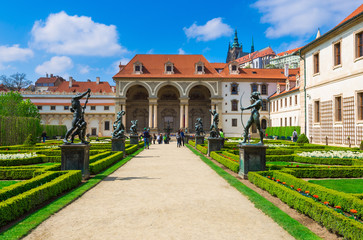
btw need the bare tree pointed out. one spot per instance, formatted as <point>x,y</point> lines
<point>16,81</point>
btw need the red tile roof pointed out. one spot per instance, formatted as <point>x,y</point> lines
<point>218,65</point>
<point>261,53</point>
<point>49,79</point>
<point>288,51</point>
<point>257,73</point>
<point>153,67</point>
<point>103,87</point>
<point>284,92</point>
<point>353,14</point>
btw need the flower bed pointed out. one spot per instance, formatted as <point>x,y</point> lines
<point>332,154</point>
<point>226,161</point>
<point>203,149</point>
<point>17,156</point>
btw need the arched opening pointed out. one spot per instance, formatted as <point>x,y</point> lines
<point>137,104</point>
<point>168,108</point>
<point>263,124</point>
<point>199,106</point>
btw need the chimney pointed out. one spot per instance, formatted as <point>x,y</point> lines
<point>46,75</point>
<point>286,70</point>
<point>70,82</point>
<point>98,80</point>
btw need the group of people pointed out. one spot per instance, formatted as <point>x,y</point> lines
<point>152,139</point>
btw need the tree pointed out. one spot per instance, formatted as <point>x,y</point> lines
<point>270,66</point>
<point>12,104</point>
<point>16,81</point>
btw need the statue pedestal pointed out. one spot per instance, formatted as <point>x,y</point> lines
<point>118,144</point>
<point>214,144</point>
<point>76,157</point>
<point>252,157</point>
<point>199,140</point>
<point>134,139</point>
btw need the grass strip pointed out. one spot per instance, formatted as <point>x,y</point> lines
<point>293,227</point>
<point>26,225</point>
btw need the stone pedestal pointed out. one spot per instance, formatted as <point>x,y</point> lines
<point>199,140</point>
<point>118,144</point>
<point>76,157</point>
<point>214,144</point>
<point>134,139</point>
<point>252,157</point>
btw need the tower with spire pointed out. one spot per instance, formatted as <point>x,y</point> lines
<point>236,51</point>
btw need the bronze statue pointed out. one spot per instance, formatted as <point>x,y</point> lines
<point>167,130</point>
<point>214,130</point>
<point>255,116</point>
<point>133,127</point>
<point>199,127</point>
<point>118,127</point>
<point>79,125</point>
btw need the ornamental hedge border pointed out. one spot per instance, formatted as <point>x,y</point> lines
<point>16,206</point>
<point>332,220</point>
<point>225,161</point>
<point>103,163</point>
<point>203,149</point>
<point>22,161</point>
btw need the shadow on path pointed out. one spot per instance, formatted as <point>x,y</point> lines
<point>126,178</point>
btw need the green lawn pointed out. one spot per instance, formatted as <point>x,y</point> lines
<point>342,185</point>
<point>7,183</point>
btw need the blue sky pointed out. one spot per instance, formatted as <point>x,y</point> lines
<point>86,40</point>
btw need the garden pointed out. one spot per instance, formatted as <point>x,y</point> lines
<point>323,182</point>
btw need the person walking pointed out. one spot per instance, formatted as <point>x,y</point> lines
<point>182,136</point>
<point>294,136</point>
<point>44,136</point>
<point>146,137</point>
<point>178,139</point>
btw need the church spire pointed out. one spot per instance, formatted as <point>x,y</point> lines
<point>235,42</point>
<point>252,46</point>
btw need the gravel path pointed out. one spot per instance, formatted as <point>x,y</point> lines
<point>163,193</point>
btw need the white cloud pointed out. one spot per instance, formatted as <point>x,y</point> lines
<point>213,29</point>
<point>14,53</point>
<point>181,51</point>
<point>115,66</point>
<point>75,35</point>
<point>151,51</point>
<point>56,65</point>
<point>302,18</point>
<point>84,69</point>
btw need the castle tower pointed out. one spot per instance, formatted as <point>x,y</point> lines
<point>236,51</point>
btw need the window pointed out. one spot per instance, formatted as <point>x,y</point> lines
<point>234,122</point>
<point>93,107</point>
<point>40,107</point>
<point>234,104</point>
<point>234,88</point>
<point>317,111</point>
<point>234,68</point>
<point>290,101</point>
<point>281,103</point>
<point>337,54</point>
<point>264,89</point>
<point>290,121</point>
<point>106,108</point>
<point>359,44</point>
<point>277,106</point>
<point>295,99</point>
<point>264,105</point>
<point>280,122</point>
<point>107,125</point>
<point>52,107</point>
<point>286,102</point>
<point>360,106</point>
<point>338,109</point>
<point>263,124</point>
<point>137,68</point>
<point>285,122</point>
<point>168,68</point>
<point>93,131</point>
<point>316,63</point>
<point>254,87</point>
<point>200,69</point>
<point>66,107</point>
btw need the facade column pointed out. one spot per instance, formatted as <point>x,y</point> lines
<point>150,115</point>
<point>123,107</point>
<point>155,116</point>
<point>100,128</point>
<point>186,116</point>
<point>181,115</point>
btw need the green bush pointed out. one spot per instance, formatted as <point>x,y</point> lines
<point>16,206</point>
<point>279,158</point>
<point>279,151</point>
<point>328,161</point>
<point>131,149</point>
<point>14,130</point>
<point>30,141</point>
<point>16,174</point>
<point>332,220</point>
<point>231,155</point>
<point>202,148</point>
<point>55,130</point>
<point>22,161</point>
<point>302,139</point>
<point>104,163</point>
<point>225,161</point>
<point>99,156</point>
<point>282,131</point>
<point>332,172</point>
<point>361,145</point>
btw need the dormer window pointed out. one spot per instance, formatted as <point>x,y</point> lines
<point>137,67</point>
<point>169,68</point>
<point>199,68</point>
<point>233,68</point>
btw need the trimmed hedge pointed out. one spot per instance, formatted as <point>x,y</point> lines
<point>131,149</point>
<point>332,172</point>
<point>231,155</point>
<point>55,130</point>
<point>202,148</point>
<point>16,174</point>
<point>99,156</point>
<point>328,161</point>
<point>282,131</point>
<point>332,220</point>
<point>16,206</point>
<point>279,158</point>
<point>279,151</point>
<point>22,161</point>
<point>225,161</point>
<point>20,187</point>
<point>102,164</point>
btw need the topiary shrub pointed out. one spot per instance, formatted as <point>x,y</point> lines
<point>361,145</point>
<point>30,141</point>
<point>302,139</point>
